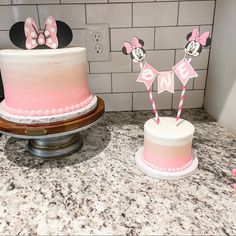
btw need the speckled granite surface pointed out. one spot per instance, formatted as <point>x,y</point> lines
<point>100,191</point>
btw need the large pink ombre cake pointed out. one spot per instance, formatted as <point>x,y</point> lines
<point>45,85</point>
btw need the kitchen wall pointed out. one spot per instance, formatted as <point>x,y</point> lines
<point>163,25</point>
<point>220,99</point>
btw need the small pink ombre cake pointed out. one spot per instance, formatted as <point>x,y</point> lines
<point>43,86</point>
<point>167,146</point>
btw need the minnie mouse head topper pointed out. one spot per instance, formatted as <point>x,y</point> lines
<point>135,49</point>
<point>196,42</point>
<point>25,35</point>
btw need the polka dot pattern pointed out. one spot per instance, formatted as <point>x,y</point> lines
<point>49,21</point>
<point>28,45</point>
<point>33,34</point>
<point>52,30</point>
<point>33,42</point>
<point>48,37</point>
<point>46,33</point>
<point>29,20</point>
<point>54,45</point>
<point>49,40</point>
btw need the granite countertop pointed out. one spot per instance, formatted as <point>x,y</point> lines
<point>99,190</point>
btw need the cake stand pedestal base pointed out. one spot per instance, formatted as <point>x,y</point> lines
<point>168,175</point>
<point>54,140</point>
<point>55,148</point>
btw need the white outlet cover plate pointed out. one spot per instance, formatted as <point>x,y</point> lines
<point>97,42</point>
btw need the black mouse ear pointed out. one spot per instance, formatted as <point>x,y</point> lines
<point>17,34</point>
<point>124,51</point>
<point>188,35</point>
<point>141,42</point>
<point>18,38</point>
<point>64,34</point>
<point>208,42</point>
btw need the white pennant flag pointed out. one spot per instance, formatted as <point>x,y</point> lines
<point>165,81</point>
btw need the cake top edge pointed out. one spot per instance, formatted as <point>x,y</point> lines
<point>168,128</point>
<point>15,52</point>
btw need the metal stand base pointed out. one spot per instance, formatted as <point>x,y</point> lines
<point>54,140</point>
<point>55,148</point>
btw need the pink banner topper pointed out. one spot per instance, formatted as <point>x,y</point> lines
<point>165,81</point>
<point>147,75</point>
<point>184,71</point>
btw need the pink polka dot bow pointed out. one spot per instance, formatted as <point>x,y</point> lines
<point>201,39</point>
<point>34,38</point>
<point>131,46</point>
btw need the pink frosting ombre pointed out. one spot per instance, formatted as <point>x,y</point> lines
<point>44,82</point>
<point>168,146</point>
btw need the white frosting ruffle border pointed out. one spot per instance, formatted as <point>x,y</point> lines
<point>163,174</point>
<point>50,118</point>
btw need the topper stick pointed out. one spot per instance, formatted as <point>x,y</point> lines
<point>181,102</point>
<point>157,118</point>
<point>151,99</point>
<point>180,107</point>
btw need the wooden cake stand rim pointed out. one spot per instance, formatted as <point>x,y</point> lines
<point>52,130</point>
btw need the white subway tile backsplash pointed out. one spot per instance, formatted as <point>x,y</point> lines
<point>200,81</point>
<point>155,14</point>
<point>161,24</point>
<point>206,28</point>
<point>118,36</point>
<point>126,82</point>
<point>84,1</point>
<point>117,101</point>
<point>160,59</point>
<point>172,37</point>
<point>9,15</point>
<point>131,1</point>
<point>196,12</point>
<point>116,15</point>
<point>73,15</point>
<point>200,62</point>
<point>117,63</point>
<point>100,83</point>
<point>141,101</point>
<point>5,42</point>
<point>78,38</point>
<point>193,99</point>
<point>4,2</point>
<point>35,1</point>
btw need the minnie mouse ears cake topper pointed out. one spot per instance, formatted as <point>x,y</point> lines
<point>135,49</point>
<point>56,34</point>
<point>165,79</point>
<point>196,42</point>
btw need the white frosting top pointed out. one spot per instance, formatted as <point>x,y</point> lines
<point>167,132</point>
<point>43,56</point>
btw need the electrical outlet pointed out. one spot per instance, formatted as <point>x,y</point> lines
<point>98,48</point>
<point>97,37</point>
<point>97,42</point>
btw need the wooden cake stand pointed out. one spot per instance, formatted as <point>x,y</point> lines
<point>55,140</point>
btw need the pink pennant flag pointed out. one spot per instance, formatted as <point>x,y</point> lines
<point>165,81</point>
<point>184,71</point>
<point>147,75</point>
